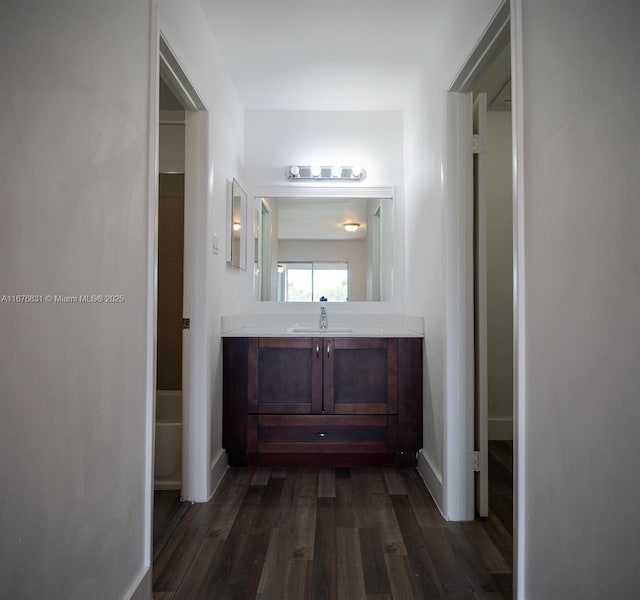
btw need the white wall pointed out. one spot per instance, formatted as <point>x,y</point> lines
<point>187,32</point>
<point>275,139</point>
<point>74,168</point>
<point>582,282</point>
<point>499,275</point>
<point>75,147</point>
<point>425,217</point>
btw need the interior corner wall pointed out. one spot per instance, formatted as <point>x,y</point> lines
<point>425,219</point>
<point>186,29</point>
<point>499,275</point>
<point>580,416</point>
<point>74,142</point>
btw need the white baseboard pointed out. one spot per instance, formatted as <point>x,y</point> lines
<point>218,469</point>
<point>431,479</point>
<point>141,587</point>
<point>500,428</point>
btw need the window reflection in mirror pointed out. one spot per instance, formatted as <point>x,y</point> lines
<point>299,242</point>
<point>313,281</point>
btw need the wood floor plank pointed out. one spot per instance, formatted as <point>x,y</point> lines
<point>176,558</point>
<point>345,515</point>
<point>216,580</point>
<point>244,577</point>
<point>423,505</point>
<point>261,476</point>
<point>279,472</point>
<point>426,580</point>
<point>351,584</point>
<point>378,537</point>
<point>224,510</point>
<point>276,564</point>
<point>304,515</point>
<point>446,564</point>
<point>372,550</point>
<point>235,482</point>
<point>373,508</point>
<point>401,578</point>
<point>195,584</point>
<point>460,540</point>
<point>487,552</point>
<point>501,539</point>
<point>326,483</point>
<point>298,582</point>
<point>394,481</point>
<point>324,570</point>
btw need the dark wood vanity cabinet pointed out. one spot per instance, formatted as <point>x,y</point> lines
<point>322,401</point>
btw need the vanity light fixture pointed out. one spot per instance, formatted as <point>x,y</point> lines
<point>351,227</point>
<point>280,268</point>
<point>326,172</point>
<point>237,226</point>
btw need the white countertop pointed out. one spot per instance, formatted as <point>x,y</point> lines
<point>345,325</point>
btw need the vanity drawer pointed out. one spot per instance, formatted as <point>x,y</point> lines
<point>322,433</point>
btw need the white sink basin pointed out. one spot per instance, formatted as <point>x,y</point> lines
<point>318,330</point>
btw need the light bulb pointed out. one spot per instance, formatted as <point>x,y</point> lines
<point>237,226</point>
<point>351,227</point>
<point>356,170</point>
<point>280,268</point>
<point>336,171</point>
<point>315,171</point>
<point>295,171</point>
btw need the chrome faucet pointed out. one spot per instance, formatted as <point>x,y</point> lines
<point>324,319</point>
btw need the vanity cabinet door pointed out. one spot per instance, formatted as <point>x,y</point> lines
<point>360,376</point>
<point>285,376</point>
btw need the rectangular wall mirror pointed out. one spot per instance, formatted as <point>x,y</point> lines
<point>237,225</point>
<point>313,249</point>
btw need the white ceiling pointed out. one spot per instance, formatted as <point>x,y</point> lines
<point>329,55</point>
<point>321,218</point>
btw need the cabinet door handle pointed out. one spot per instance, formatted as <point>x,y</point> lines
<point>328,350</point>
<point>322,434</point>
<point>317,349</point>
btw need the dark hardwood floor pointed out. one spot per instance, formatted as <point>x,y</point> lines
<point>324,533</point>
<point>168,511</point>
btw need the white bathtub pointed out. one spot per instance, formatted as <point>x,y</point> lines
<point>168,441</point>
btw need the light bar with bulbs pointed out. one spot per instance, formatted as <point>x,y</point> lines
<point>326,173</point>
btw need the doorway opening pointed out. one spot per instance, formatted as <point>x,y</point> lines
<point>179,448</point>
<point>482,290</point>
<point>493,297</point>
<point>168,507</point>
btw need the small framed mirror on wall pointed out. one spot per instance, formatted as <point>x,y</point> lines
<point>237,227</point>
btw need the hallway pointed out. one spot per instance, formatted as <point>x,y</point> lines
<point>370,534</point>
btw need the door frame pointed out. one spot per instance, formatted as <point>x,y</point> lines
<point>458,488</point>
<point>194,345</point>
<point>196,440</point>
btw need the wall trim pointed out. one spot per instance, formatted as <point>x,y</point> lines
<point>219,466</point>
<point>432,480</point>
<point>151,284</point>
<point>141,588</point>
<point>500,428</point>
<point>519,320</point>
